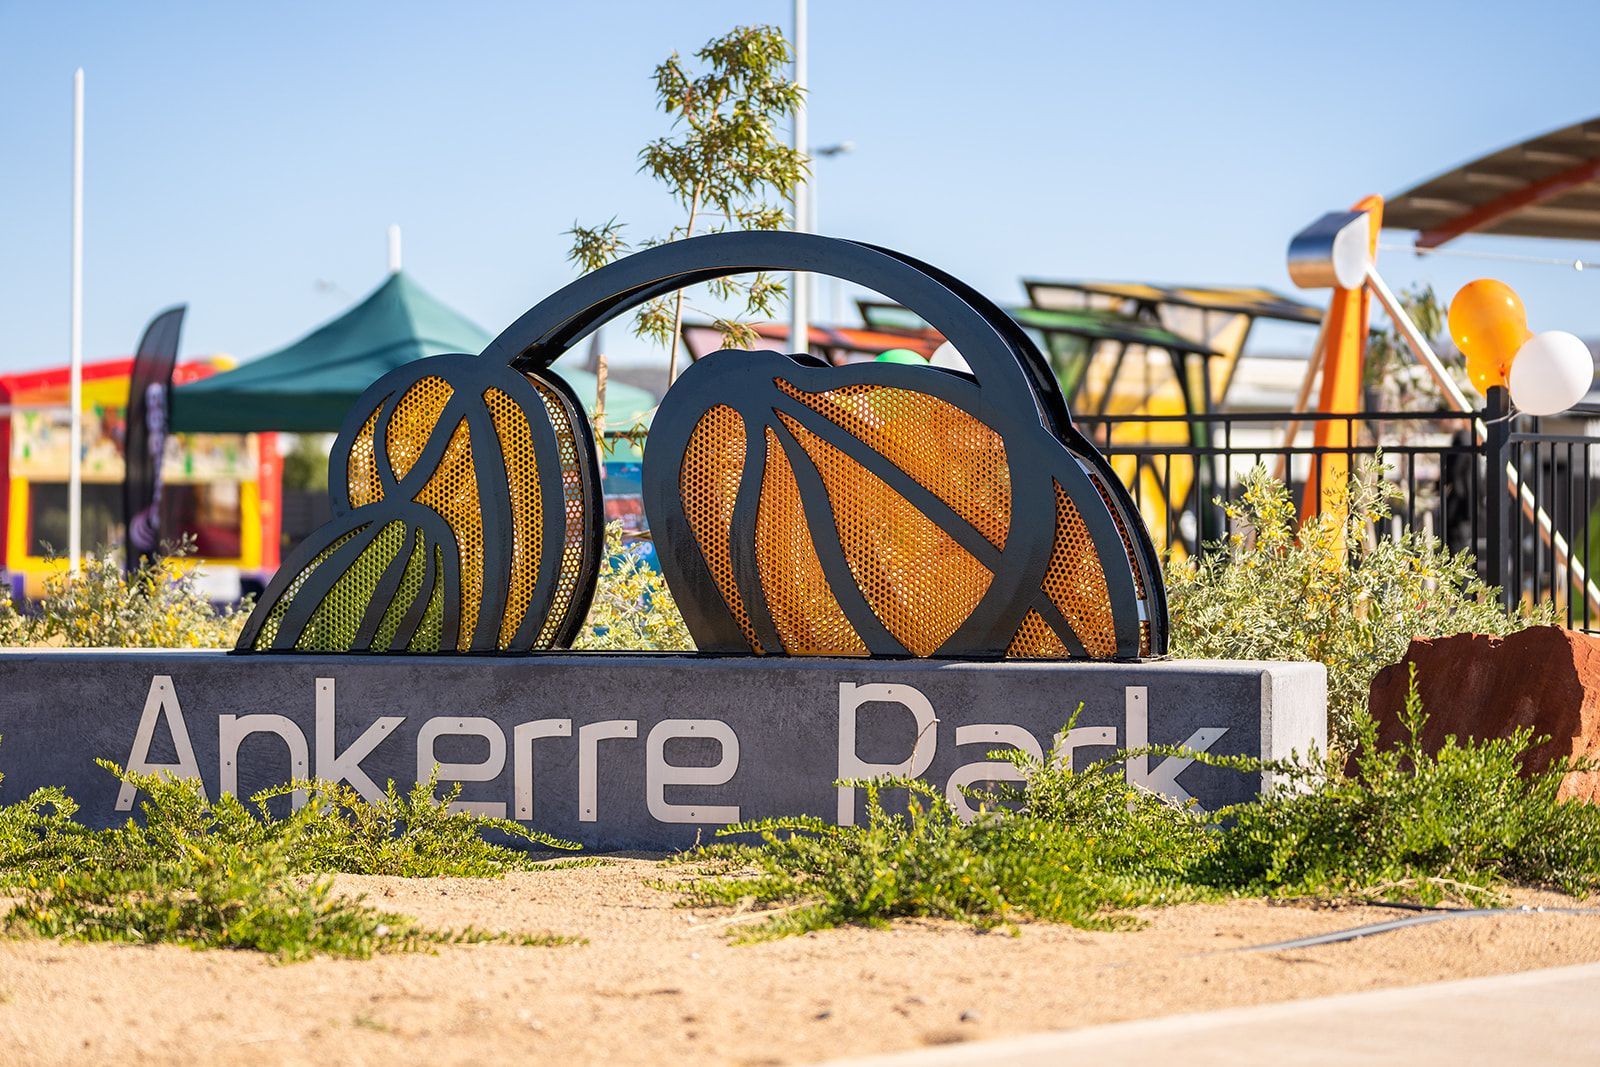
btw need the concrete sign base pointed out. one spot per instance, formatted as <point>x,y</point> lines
<point>646,751</point>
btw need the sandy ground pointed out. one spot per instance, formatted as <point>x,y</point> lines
<point>656,983</point>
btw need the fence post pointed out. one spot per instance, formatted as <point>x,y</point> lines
<point>1498,499</point>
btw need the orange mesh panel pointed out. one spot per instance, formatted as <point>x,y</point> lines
<point>919,581</point>
<point>713,466</point>
<point>361,471</point>
<point>1076,582</point>
<point>453,493</point>
<point>527,507</point>
<point>1036,640</point>
<point>413,422</point>
<point>572,504</point>
<point>808,618</point>
<point>948,452</point>
<point>1122,532</point>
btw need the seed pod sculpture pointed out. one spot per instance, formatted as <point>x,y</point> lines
<point>797,508</point>
<point>465,498</point>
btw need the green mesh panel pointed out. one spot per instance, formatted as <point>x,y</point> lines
<point>426,639</point>
<point>269,629</point>
<point>410,585</point>
<point>333,626</point>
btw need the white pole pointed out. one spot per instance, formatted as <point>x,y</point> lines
<point>394,248</point>
<point>800,283</point>
<point>75,393</point>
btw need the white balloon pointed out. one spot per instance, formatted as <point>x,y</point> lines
<point>1552,371</point>
<point>947,356</point>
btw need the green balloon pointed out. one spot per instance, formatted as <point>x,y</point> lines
<point>902,355</point>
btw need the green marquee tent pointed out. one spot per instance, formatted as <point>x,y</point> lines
<point>310,385</point>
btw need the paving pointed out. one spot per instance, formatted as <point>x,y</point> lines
<point>1547,1017</point>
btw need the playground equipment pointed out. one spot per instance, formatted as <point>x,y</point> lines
<point>1488,323</point>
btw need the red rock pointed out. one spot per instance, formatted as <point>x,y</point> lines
<point>1475,685</point>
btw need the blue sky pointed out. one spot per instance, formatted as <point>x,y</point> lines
<point>238,154</point>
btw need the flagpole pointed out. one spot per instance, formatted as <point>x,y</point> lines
<point>75,402</point>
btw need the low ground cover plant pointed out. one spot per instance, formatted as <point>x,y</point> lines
<point>1456,824</point>
<point>1460,824</point>
<point>1328,591</point>
<point>227,874</point>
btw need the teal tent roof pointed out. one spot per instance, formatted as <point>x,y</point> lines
<point>310,385</point>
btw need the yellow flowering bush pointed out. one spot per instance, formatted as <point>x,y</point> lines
<point>157,605</point>
<point>1328,591</point>
<point>633,609</point>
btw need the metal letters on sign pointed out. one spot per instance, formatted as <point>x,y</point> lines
<point>797,508</point>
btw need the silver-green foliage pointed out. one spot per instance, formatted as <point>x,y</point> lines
<point>157,605</point>
<point>225,874</point>
<point>633,608</point>
<point>1327,590</point>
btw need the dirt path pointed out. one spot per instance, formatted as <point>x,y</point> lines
<point>658,984</point>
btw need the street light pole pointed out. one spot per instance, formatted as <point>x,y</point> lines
<point>799,281</point>
<point>827,152</point>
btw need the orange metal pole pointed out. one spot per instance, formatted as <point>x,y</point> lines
<point>1345,340</point>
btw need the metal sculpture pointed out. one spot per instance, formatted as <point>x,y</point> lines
<point>466,519</point>
<point>797,508</point>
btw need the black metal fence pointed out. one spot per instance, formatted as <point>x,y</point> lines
<point>1532,528</point>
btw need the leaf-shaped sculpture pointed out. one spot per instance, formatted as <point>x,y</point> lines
<point>872,510</point>
<point>466,518</point>
<point>877,510</point>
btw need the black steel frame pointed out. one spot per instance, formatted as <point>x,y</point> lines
<point>469,377</point>
<point>1013,391</point>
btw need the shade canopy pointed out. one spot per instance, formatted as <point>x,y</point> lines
<point>1546,186</point>
<point>310,385</point>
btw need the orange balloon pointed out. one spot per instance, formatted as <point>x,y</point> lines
<point>1489,325</point>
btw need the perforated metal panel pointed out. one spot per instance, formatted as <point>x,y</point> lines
<point>573,507</point>
<point>430,631</point>
<point>948,452</point>
<point>362,466</point>
<point>713,466</point>
<point>274,617</point>
<point>453,493</point>
<point>1036,640</point>
<point>405,596</point>
<point>333,625</point>
<point>413,422</point>
<point>807,616</point>
<point>527,507</point>
<point>920,583</point>
<point>1076,582</point>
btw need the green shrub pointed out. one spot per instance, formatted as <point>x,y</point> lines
<point>224,874</point>
<point>158,605</point>
<point>211,895</point>
<point>633,608</point>
<point>1327,591</point>
<point>1459,823</point>
<point>1077,848</point>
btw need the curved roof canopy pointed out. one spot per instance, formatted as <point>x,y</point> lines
<point>1547,186</point>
